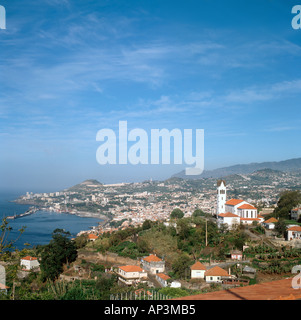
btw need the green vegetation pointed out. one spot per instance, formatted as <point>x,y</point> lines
<point>177,214</point>
<point>287,201</point>
<point>5,229</point>
<point>61,250</point>
<point>129,249</point>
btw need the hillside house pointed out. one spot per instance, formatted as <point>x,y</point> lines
<point>153,264</point>
<point>294,233</point>
<point>296,213</point>
<point>92,237</point>
<point>162,279</point>
<point>236,255</point>
<point>131,275</point>
<point>270,223</point>
<point>216,275</point>
<point>198,271</point>
<point>29,263</point>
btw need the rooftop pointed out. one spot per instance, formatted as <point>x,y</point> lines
<point>130,268</point>
<point>216,271</point>
<point>198,266</point>
<point>152,258</point>
<point>247,206</point>
<point>271,220</point>
<point>234,202</point>
<point>29,258</point>
<point>163,276</point>
<point>274,290</point>
<point>229,215</point>
<point>295,228</point>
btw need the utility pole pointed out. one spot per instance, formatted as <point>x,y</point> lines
<point>206,233</point>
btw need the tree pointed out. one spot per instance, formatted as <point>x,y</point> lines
<point>147,224</point>
<point>5,243</point>
<point>198,213</point>
<point>181,265</point>
<point>59,251</point>
<point>287,201</point>
<point>280,227</point>
<point>177,214</point>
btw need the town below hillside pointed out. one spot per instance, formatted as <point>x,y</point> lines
<point>127,204</point>
<point>163,240</point>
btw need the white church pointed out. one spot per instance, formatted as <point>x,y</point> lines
<point>234,211</point>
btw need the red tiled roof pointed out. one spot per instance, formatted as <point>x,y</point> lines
<point>152,258</point>
<point>274,290</point>
<point>163,276</point>
<point>217,271</point>
<point>198,266</point>
<point>296,228</point>
<point>228,214</point>
<point>247,206</point>
<point>131,268</point>
<point>234,202</point>
<point>92,236</point>
<point>271,220</point>
<point>29,258</point>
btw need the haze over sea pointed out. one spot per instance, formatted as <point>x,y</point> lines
<point>40,225</point>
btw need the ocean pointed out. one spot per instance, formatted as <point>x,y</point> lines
<point>40,225</point>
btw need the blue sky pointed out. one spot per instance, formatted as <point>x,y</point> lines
<point>70,68</point>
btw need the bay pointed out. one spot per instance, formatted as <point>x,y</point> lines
<point>40,225</point>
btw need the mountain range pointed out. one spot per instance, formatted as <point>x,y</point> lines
<point>290,165</point>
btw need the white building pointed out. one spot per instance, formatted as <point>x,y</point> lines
<point>131,275</point>
<point>294,233</point>
<point>198,271</point>
<point>162,278</point>
<point>29,263</point>
<point>228,218</point>
<point>216,275</point>
<point>270,223</point>
<point>238,207</point>
<point>221,196</point>
<point>296,213</point>
<point>153,264</point>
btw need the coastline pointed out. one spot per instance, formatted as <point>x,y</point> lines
<point>83,214</point>
<point>86,214</point>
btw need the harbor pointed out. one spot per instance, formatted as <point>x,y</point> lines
<point>29,212</point>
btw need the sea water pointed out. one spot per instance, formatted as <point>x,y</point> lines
<point>40,225</point>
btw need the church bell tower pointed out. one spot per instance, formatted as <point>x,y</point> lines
<point>221,196</point>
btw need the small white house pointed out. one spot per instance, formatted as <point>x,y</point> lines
<point>29,263</point>
<point>175,284</point>
<point>216,275</point>
<point>294,233</point>
<point>162,279</point>
<point>198,271</point>
<point>236,255</point>
<point>270,223</point>
<point>296,213</point>
<point>153,264</point>
<point>131,275</point>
